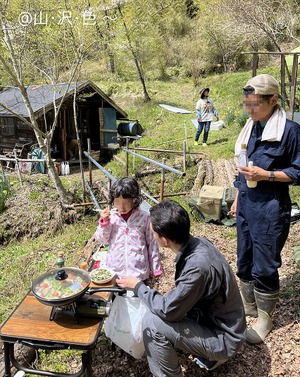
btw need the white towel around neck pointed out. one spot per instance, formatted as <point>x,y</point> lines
<point>272,131</point>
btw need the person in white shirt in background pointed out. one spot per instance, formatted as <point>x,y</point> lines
<point>205,112</point>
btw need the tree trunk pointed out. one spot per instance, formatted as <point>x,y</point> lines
<point>53,174</point>
<point>135,57</point>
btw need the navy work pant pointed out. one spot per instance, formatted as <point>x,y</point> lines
<point>263,223</point>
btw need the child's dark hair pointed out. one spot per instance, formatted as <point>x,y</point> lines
<point>128,188</point>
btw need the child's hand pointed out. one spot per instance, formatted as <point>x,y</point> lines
<point>105,214</point>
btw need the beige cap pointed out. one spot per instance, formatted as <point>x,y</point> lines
<point>263,84</point>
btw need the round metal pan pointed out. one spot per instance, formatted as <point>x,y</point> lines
<point>62,287</point>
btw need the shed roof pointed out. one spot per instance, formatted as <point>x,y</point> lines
<point>42,98</point>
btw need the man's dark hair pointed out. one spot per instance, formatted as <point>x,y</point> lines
<point>128,188</point>
<point>170,220</point>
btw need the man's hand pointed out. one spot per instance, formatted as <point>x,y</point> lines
<point>254,173</point>
<point>128,282</point>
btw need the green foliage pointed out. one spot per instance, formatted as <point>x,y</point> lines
<point>34,195</point>
<point>241,119</point>
<point>230,117</point>
<point>295,194</point>
<point>297,255</point>
<point>4,190</point>
<point>59,361</point>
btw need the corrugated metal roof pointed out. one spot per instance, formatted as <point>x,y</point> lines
<point>42,97</point>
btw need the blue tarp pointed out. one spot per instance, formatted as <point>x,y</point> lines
<point>37,167</point>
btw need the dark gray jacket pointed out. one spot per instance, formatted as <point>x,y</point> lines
<point>205,291</point>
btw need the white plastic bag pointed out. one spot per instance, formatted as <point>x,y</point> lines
<point>124,324</point>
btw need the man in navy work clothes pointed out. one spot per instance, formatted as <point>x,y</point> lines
<point>263,213</point>
<point>203,314</point>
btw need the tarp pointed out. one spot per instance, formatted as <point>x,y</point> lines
<point>176,110</point>
<point>38,167</point>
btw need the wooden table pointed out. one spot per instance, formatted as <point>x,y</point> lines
<point>30,324</point>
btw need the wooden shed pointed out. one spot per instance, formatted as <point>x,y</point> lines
<point>97,116</point>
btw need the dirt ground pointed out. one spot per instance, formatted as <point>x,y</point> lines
<point>278,356</point>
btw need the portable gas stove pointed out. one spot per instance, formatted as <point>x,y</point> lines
<point>92,306</point>
<point>65,310</point>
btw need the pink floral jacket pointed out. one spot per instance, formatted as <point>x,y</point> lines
<point>132,250</point>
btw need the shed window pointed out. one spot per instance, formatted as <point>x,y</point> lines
<point>7,126</point>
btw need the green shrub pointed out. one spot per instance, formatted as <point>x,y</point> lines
<point>4,190</point>
<point>229,117</point>
<point>241,119</point>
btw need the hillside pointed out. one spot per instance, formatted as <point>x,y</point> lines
<point>34,227</point>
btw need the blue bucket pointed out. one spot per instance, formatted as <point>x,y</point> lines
<point>130,129</point>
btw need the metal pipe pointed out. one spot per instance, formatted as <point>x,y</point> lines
<point>185,135</point>
<point>156,163</point>
<point>162,150</point>
<point>92,194</point>
<point>184,155</point>
<point>149,197</point>
<point>112,178</point>
<point>162,182</point>
<point>100,167</point>
<point>127,160</point>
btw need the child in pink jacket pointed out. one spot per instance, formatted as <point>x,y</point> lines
<point>132,250</point>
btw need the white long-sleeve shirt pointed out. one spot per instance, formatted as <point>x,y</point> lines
<point>205,110</point>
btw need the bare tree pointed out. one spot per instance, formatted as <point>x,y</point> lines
<point>278,20</point>
<point>134,53</point>
<point>14,60</point>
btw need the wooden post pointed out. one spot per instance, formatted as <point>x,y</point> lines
<point>282,80</point>
<point>162,182</point>
<point>18,168</point>
<point>293,84</point>
<point>255,60</point>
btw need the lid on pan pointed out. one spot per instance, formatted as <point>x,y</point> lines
<point>59,284</point>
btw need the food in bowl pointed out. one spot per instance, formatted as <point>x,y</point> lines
<point>101,275</point>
